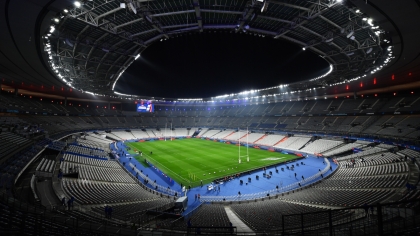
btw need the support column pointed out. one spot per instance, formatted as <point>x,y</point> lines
<point>65,101</point>
<point>16,92</point>
<point>109,105</point>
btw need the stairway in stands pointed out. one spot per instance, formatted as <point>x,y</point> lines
<point>265,135</point>
<point>229,135</point>
<point>282,140</point>
<point>237,222</point>
<point>201,134</point>
<point>117,136</point>
<point>244,136</point>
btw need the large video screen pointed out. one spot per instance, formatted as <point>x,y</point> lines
<point>145,106</point>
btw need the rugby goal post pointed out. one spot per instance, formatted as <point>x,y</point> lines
<point>239,142</point>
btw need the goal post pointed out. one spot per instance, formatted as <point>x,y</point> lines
<point>239,144</point>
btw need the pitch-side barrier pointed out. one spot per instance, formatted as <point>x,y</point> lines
<point>272,192</point>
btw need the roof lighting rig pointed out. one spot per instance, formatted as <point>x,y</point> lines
<point>91,43</point>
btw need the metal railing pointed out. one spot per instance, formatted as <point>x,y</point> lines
<point>156,186</point>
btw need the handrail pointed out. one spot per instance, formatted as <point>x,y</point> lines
<point>33,187</point>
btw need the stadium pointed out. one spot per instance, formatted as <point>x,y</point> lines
<point>185,117</point>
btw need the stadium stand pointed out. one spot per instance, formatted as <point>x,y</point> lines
<point>293,143</point>
<point>93,144</point>
<point>385,173</point>
<point>45,168</point>
<point>214,215</point>
<point>264,215</point>
<point>87,151</point>
<point>269,140</point>
<point>321,145</point>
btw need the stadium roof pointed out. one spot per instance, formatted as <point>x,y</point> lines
<point>88,47</point>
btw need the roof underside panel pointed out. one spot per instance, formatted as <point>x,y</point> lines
<point>97,41</point>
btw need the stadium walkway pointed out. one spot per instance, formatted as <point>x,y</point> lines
<point>241,227</point>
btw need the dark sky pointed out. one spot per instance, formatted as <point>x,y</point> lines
<point>200,65</point>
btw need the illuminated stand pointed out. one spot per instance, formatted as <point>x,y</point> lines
<point>239,141</point>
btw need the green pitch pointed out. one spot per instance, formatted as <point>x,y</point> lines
<point>188,161</point>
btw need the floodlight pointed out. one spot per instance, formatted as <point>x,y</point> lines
<point>132,7</point>
<point>357,11</point>
<point>65,10</point>
<point>350,34</point>
<point>369,50</point>
<point>304,49</point>
<point>77,4</point>
<point>56,20</point>
<point>329,40</point>
<point>264,7</point>
<point>138,55</point>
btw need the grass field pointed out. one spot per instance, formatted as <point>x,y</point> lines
<point>188,161</point>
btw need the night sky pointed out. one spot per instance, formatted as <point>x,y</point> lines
<point>200,65</point>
